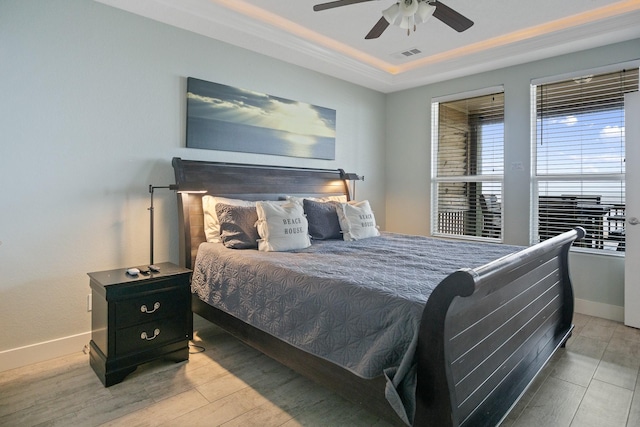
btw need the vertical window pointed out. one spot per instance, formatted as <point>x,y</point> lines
<point>579,158</point>
<point>468,159</point>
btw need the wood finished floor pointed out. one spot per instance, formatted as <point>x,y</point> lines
<point>590,383</point>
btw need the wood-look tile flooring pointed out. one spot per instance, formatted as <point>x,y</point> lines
<point>590,383</point>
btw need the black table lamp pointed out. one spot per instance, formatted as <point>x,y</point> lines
<point>174,187</point>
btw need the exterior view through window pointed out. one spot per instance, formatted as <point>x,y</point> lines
<point>579,158</point>
<point>468,159</point>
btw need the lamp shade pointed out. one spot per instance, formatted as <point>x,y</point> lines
<point>425,11</point>
<point>190,187</point>
<point>409,8</point>
<point>392,13</point>
<point>349,176</point>
<point>406,22</point>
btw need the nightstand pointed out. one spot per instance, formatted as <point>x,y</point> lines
<point>135,320</point>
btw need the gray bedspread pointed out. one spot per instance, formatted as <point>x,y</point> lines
<point>357,304</point>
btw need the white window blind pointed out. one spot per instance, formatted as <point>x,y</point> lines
<point>579,153</point>
<point>468,158</point>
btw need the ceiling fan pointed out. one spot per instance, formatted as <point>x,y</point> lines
<point>407,14</point>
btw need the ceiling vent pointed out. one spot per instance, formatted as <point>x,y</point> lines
<point>407,53</point>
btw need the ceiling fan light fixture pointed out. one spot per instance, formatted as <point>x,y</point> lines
<point>406,22</point>
<point>392,13</point>
<point>409,7</point>
<point>425,11</point>
<point>406,14</point>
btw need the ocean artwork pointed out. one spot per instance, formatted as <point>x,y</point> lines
<point>221,117</point>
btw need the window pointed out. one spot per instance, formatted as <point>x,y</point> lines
<point>579,158</point>
<point>468,158</point>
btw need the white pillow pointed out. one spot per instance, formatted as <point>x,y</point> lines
<point>357,220</point>
<point>211,222</point>
<point>282,227</point>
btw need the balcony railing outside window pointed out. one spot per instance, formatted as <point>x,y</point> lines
<point>468,163</point>
<point>603,223</point>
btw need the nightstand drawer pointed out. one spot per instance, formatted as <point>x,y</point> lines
<point>149,335</point>
<point>150,307</point>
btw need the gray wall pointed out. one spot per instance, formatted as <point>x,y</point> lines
<point>92,109</point>
<point>597,279</point>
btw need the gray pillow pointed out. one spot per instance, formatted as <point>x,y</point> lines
<point>323,219</point>
<point>238,226</point>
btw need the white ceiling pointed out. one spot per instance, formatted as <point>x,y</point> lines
<point>505,32</point>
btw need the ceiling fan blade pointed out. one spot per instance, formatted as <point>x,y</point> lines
<point>338,3</point>
<point>377,29</point>
<point>451,17</point>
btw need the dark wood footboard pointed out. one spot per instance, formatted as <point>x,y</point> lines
<point>486,333</point>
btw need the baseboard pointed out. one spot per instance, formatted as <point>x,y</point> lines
<point>39,352</point>
<point>599,309</point>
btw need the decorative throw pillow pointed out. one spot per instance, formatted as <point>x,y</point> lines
<point>211,222</point>
<point>282,227</point>
<point>323,219</point>
<point>238,226</point>
<point>357,221</point>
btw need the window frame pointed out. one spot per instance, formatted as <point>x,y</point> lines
<point>535,179</point>
<point>497,178</point>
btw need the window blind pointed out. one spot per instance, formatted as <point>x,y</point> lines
<point>468,146</point>
<point>579,157</point>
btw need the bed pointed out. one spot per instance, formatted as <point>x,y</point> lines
<point>477,332</point>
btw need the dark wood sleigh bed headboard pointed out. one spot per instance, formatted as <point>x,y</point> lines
<point>241,181</point>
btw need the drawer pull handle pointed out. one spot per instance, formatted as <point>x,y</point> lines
<point>144,308</point>
<point>143,336</point>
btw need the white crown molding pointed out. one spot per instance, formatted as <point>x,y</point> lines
<point>230,27</point>
<point>218,22</point>
<point>563,42</point>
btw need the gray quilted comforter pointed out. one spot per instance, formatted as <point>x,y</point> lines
<point>357,304</point>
